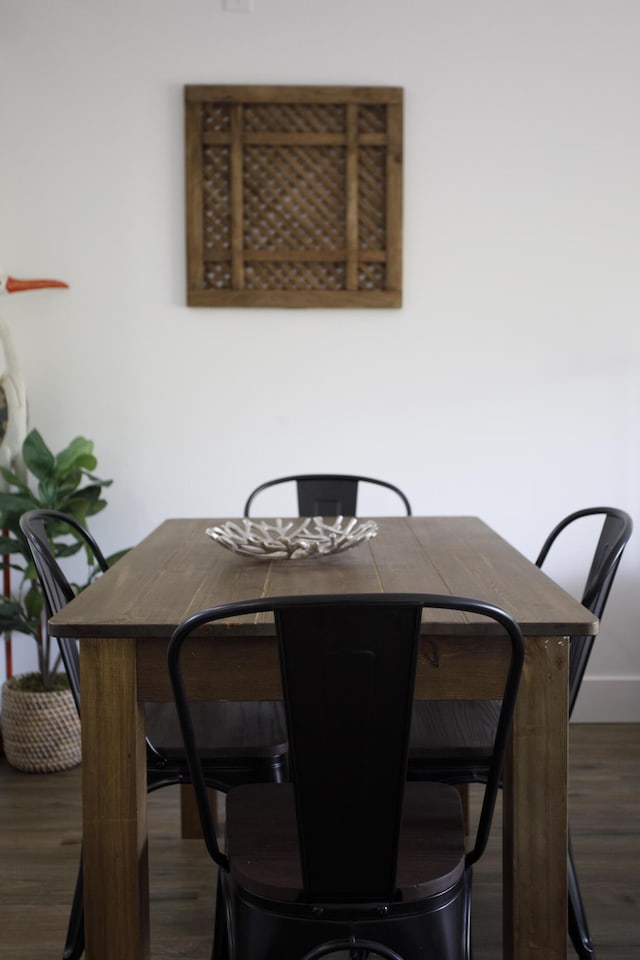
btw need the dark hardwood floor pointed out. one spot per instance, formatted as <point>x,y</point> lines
<point>40,842</point>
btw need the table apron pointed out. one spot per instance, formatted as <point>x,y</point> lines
<point>247,669</point>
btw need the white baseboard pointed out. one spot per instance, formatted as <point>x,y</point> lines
<point>608,700</point>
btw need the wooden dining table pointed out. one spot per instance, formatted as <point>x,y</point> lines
<point>124,620</point>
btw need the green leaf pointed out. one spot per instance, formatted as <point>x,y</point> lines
<point>77,456</point>
<point>13,479</point>
<point>37,457</point>
<point>33,603</point>
<point>66,549</point>
<point>10,609</point>
<point>15,503</point>
<point>85,503</point>
<point>15,566</point>
<point>102,483</point>
<point>91,491</point>
<point>114,557</point>
<point>13,617</point>
<point>57,491</point>
<point>9,545</point>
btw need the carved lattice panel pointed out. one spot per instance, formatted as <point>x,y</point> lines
<point>294,196</point>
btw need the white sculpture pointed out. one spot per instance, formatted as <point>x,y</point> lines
<point>292,539</point>
<point>13,399</point>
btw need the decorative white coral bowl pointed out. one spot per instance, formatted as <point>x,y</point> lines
<point>293,539</point>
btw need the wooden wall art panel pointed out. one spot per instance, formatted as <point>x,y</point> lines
<point>294,196</point>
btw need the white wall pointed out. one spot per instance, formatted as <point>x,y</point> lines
<point>506,387</point>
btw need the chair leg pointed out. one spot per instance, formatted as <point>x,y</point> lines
<point>578,927</point>
<point>74,944</point>
<point>220,948</point>
<point>467,946</point>
<point>463,790</point>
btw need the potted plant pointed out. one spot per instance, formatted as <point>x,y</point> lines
<point>40,724</point>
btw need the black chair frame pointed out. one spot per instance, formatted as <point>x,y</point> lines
<point>614,536</point>
<point>220,772</point>
<point>470,765</point>
<point>333,763</point>
<point>327,494</point>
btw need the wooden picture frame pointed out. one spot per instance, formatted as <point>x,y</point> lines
<point>294,196</point>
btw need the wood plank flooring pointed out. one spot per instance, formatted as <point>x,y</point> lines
<point>40,843</point>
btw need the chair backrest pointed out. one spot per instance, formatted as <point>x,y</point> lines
<point>327,494</point>
<point>615,533</point>
<point>55,587</point>
<point>348,666</point>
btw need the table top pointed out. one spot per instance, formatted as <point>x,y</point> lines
<point>178,570</point>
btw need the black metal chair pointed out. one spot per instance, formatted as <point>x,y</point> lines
<point>327,494</point>
<point>349,855</point>
<point>449,740</point>
<point>234,751</point>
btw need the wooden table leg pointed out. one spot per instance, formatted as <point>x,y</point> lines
<point>535,809</point>
<point>114,803</point>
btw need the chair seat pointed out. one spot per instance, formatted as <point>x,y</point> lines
<point>263,848</point>
<point>226,729</point>
<point>458,729</point>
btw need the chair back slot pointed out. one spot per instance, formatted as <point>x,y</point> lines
<point>348,675</point>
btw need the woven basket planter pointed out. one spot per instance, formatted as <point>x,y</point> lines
<point>40,731</point>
